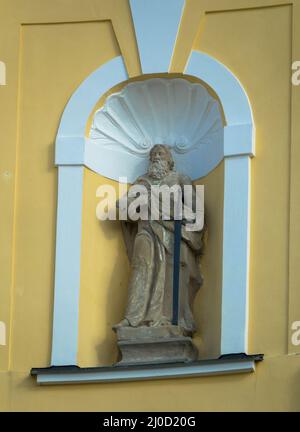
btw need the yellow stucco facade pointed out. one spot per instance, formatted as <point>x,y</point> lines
<point>49,48</point>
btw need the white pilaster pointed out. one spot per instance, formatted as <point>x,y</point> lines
<point>235,280</point>
<point>67,266</point>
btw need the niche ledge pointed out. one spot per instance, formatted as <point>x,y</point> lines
<point>228,364</point>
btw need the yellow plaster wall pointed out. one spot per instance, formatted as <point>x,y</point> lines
<point>45,86</point>
<point>58,45</point>
<point>261,61</point>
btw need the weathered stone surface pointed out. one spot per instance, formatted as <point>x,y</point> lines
<point>135,333</point>
<point>154,351</point>
<point>146,334</point>
<point>150,246</point>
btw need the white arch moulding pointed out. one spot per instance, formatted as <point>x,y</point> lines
<point>70,159</point>
<point>71,156</point>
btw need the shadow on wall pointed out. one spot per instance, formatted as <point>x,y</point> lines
<point>116,295</point>
<point>207,306</point>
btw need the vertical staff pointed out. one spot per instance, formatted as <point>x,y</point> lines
<point>176,270</point>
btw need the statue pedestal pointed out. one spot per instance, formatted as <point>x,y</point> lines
<point>153,345</point>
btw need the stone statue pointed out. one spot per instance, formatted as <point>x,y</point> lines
<point>146,334</point>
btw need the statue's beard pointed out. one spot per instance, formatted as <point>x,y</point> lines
<point>159,169</point>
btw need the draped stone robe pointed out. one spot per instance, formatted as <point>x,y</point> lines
<point>150,246</point>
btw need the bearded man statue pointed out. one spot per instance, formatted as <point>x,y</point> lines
<point>146,334</point>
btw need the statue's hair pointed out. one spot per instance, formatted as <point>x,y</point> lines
<point>168,152</point>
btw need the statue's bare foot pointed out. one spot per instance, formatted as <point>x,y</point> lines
<point>162,322</point>
<point>123,323</point>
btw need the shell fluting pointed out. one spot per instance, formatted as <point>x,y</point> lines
<point>158,111</point>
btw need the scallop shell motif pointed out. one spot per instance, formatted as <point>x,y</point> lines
<point>159,111</point>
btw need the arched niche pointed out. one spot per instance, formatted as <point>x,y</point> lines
<point>187,115</point>
<point>235,145</point>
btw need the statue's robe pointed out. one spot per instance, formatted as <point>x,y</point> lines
<point>150,246</point>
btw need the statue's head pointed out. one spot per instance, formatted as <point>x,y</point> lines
<point>161,161</point>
